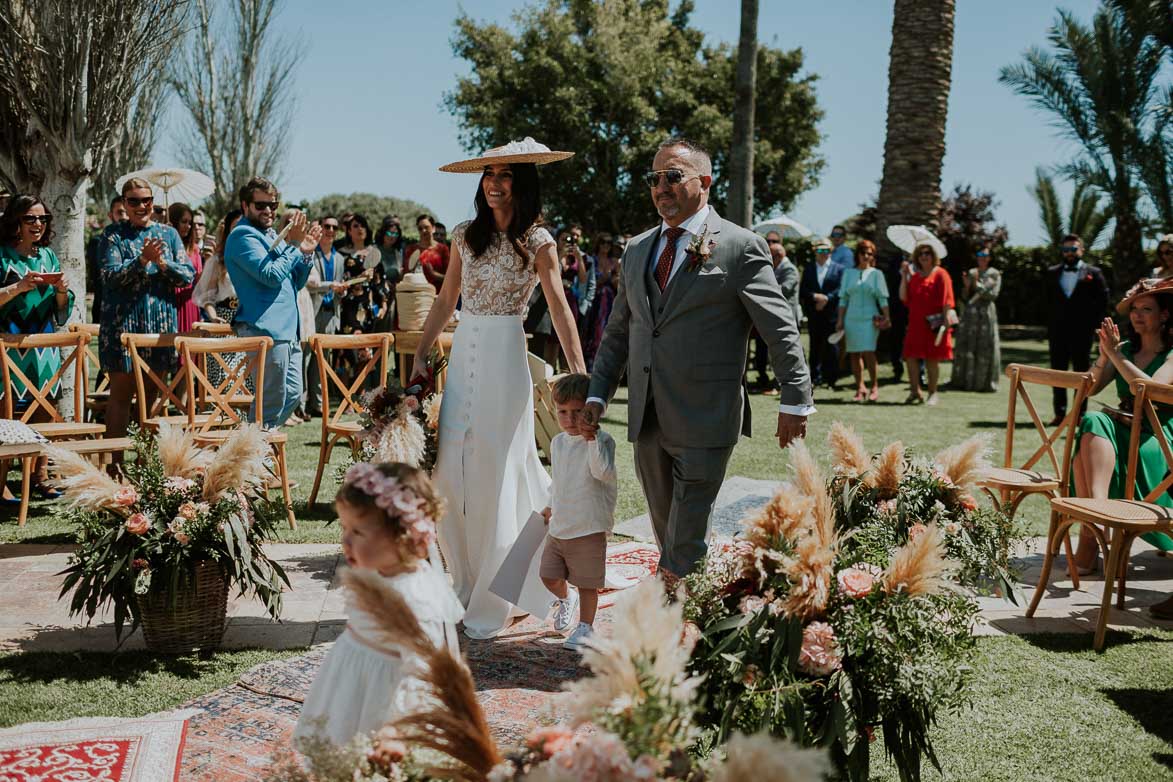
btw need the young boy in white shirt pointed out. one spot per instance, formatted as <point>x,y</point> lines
<point>581,513</point>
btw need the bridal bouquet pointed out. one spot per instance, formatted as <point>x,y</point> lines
<point>402,424</point>
<point>839,614</point>
<point>633,719</point>
<point>181,505</point>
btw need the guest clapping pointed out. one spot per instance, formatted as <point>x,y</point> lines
<point>863,311</point>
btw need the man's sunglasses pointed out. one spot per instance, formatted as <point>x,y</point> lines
<point>137,202</point>
<point>982,254</point>
<point>822,251</point>
<point>1071,248</point>
<point>261,206</point>
<point>674,176</point>
<point>34,219</point>
<point>837,234</point>
<point>329,226</point>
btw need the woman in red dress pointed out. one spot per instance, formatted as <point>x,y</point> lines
<point>181,217</point>
<point>927,292</point>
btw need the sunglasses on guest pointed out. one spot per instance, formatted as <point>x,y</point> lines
<point>330,226</point>
<point>822,251</point>
<point>34,219</point>
<point>674,176</point>
<point>261,206</point>
<point>1070,248</point>
<point>137,202</point>
<point>982,254</point>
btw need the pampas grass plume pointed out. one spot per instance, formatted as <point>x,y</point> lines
<point>965,462</point>
<point>919,567</point>
<point>888,470</point>
<point>847,450</point>
<point>807,477</point>
<point>238,464</point>
<point>84,485</point>
<point>402,440</point>
<point>763,757</point>
<point>785,516</point>
<point>178,452</point>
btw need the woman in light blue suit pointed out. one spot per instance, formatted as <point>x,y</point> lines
<point>863,311</point>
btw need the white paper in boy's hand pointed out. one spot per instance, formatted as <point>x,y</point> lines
<point>518,574</point>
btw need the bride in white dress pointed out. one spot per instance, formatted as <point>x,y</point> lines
<point>488,469</point>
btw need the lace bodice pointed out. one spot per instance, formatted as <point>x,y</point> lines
<point>497,283</point>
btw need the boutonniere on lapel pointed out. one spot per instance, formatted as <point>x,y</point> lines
<point>700,249</point>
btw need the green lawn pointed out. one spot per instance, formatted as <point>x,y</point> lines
<point>1044,707</point>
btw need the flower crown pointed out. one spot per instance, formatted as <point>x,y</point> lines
<point>398,501</point>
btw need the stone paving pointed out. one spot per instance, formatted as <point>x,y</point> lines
<point>33,619</point>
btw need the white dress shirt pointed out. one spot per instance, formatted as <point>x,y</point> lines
<point>584,485</point>
<point>821,270</point>
<point>692,227</point>
<point>1068,279</point>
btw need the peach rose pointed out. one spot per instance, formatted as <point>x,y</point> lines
<point>855,582</point>
<point>690,635</point>
<point>968,502</point>
<point>751,604</point>
<point>549,740</point>
<point>819,655</point>
<point>189,511</point>
<point>182,538</point>
<point>138,524</point>
<point>916,530</point>
<point>125,496</point>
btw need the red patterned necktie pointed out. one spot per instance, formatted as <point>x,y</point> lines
<point>664,265</point>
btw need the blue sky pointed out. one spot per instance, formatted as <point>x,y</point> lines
<point>371,118</point>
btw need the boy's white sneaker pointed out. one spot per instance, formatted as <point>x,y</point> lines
<point>580,637</point>
<point>564,610</point>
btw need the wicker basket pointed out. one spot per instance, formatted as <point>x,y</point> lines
<point>413,300</point>
<point>197,618</point>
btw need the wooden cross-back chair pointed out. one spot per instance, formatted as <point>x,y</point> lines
<point>219,399</point>
<point>1007,486</point>
<point>545,410</point>
<point>1127,518</point>
<point>97,397</point>
<point>41,402</point>
<point>159,398</point>
<point>334,429</point>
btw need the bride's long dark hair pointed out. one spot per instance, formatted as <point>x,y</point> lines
<point>527,212</point>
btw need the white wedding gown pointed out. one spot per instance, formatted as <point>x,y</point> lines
<point>488,470</point>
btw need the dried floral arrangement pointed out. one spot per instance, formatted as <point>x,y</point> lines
<point>180,505</point>
<point>840,612</point>
<point>633,719</point>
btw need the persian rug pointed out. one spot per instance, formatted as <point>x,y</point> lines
<point>517,674</point>
<point>93,749</point>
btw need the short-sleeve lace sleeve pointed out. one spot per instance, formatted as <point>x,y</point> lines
<point>499,281</point>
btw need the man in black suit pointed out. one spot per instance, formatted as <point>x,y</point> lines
<point>1077,295</point>
<point>819,294</point>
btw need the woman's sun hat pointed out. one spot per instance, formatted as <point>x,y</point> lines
<point>525,151</point>
<point>1144,288</point>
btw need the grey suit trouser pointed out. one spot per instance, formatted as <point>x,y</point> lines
<point>680,485</point>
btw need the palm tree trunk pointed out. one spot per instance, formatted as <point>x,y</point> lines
<point>1128,258</point>
<point>741,156</point>
<point>919,76</point>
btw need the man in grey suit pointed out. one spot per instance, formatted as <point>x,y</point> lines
<point>691,289</point>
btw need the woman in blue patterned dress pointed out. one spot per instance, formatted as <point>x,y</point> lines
<point>144,262</point>
<point>31,303</point>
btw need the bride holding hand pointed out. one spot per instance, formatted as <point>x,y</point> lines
<point>488,469</point>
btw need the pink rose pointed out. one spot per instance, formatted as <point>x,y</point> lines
<point>968,502</point>
<point>819,655</point>
<point>189,511</point>
<point>855,582</point>
<point>178,484</point>
<point>549,740</point>
<point>176,530</point>
<point>690,635</point>
<point>125,496</point>
<point>915,531</point>
<point>411,403</point>
<point>183,538</point>
<point>138,524</point>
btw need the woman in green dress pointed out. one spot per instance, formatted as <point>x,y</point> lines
<point>977,355</point>
<point>863,311</point>
<point>1101,457</point>
<point>34,299</point>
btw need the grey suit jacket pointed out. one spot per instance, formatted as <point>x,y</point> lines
<point>688,354</point>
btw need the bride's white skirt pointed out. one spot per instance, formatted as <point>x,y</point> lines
<point>488,469</point>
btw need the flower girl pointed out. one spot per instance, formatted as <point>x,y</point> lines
<point>387,513</point>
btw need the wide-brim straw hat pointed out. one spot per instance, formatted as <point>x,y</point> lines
<point>1147,287</point>
<point>525,151</point>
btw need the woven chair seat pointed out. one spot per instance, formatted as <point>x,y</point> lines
<point>345,427</point>
<point>1018,479</point>
<point>177,420</point>
<point>1126,514</point>
<point>217,437</point>
<point>68,429</point>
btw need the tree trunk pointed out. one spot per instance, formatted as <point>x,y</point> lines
<point>741,155</point>
<point>1128,258</point>
<point>65,194</point>
<point>919,72</point>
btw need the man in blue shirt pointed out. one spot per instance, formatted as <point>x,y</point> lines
<point>840,253</point>
<point>267,274</point>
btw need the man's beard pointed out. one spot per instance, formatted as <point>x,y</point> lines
<point>667,209</point>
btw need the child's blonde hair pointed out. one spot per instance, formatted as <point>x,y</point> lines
<point>402,496</point>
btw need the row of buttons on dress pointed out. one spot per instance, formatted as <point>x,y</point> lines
<point>472,360</point>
